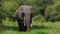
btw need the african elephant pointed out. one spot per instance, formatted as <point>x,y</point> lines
<point>24,17</point>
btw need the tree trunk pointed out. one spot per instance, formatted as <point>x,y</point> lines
<point>0,25</point>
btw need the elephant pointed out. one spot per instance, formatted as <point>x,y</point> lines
<point>24,17</point>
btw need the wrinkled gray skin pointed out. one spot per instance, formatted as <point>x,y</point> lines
<point>24,16</point>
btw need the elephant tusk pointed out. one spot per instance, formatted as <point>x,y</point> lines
<point>31,25</point>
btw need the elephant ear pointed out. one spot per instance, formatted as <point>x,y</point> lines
<point>19,12</point>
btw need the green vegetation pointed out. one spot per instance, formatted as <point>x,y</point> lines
<point>48,9</point>
<point>45,21</point>
<point>38,28</point>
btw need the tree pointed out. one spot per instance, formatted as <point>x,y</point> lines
<point>0,16</point>
<point>53,12</point>
<point>41,5</point>
<point>9,8</point>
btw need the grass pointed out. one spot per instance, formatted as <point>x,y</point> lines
<point>38,28</point>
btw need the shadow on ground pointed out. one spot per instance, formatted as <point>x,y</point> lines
<point>17,29</point>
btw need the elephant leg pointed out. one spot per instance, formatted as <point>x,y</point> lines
<point>31,20</point>
<point>30,23</point>
<point>24,28</point>
<point>19,25</point>
<point>28,26</point>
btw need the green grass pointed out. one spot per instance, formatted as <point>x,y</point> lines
<point>38,28</point>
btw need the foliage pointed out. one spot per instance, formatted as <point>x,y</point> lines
<point>38,18</point>
<point>9,8</point>
<point>9,5</point>
<point>48,9</point>
<point>53,12</point>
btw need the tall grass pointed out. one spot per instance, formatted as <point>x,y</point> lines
<point>38,28</point>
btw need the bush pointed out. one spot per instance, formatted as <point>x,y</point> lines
<point>38,18</point>
<point>53,12</point>
<point>9,8</point>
